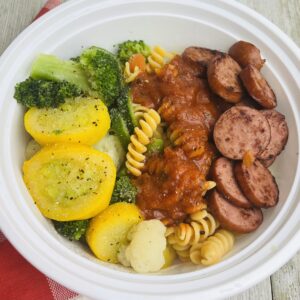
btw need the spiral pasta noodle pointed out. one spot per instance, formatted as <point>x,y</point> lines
<point>202,225</point>
<point>139,110</point>
<point>129,75</point>
<point>192,139</point>
<point>139,140</point>
<point>213,249</point>
<point>182,251</point>
<point>157,59</point>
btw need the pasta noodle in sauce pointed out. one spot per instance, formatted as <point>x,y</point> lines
<point>170,186</point>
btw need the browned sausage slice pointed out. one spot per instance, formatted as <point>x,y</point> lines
<point>268,162</point>
<point>222,173</point>
<point>245,54</point>
<point>257,183</point>
<point>279,134</point>
<point>241,129</point>
<point>236,219</point>
<point>257,87</point>
<point>199,57</point>
<point>223,78</point>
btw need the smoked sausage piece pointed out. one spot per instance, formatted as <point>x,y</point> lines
<point>222,173</point>
<point>245,54</point>
<point>241,129</point>
<point>223,78</point>
<point>200,57</point>
<point>279,134</point>
<point>257,183</point>
<point>257,87</point>
<point>233,218</point>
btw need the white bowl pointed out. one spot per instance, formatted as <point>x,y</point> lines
<point>174,25</point>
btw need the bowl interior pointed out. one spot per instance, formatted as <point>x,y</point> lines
<point>106,27</point>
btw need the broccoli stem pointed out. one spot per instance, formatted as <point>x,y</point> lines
<point>50,67</point>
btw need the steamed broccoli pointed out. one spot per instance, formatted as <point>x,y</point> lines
<point>50,67</point>
<point>96,72</point>
<point>124,191</point>
<point>128,48</point>
<point>44,93</point>
<point>124,106</point>
<point>73,230</point>
<point>104,73</point>
<point>156,146</point>
<point>119,127</point>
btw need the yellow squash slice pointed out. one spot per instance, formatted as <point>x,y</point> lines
<point>70,181</point>
<point>81,120</point>
<point>108,231</point>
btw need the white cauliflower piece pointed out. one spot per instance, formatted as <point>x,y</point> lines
<point>145,252</point>
<point>111,145</point>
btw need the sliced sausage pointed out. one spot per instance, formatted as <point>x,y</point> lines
<point>199,56</point>
<point>236,219</point>
<point>241,129</point>
<point>257,183</point>
<point>245,54</point>
<point>279,134</point>
<point>223,78</point>
<point>268,162</point>
<point>222,173</point>
<point>257,87</point>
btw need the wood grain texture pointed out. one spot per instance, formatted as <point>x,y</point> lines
<point>15,15</point>
<point>286,282</point>
<point>283,13</point>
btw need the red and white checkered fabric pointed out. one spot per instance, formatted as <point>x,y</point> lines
<point>19,280</point>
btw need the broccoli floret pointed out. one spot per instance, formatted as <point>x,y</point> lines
<point>128,48</point>
<point>104,73</point>
<point>156,146</point>
<point>124,191</point>
<point>44,93</point>
<point>73,230</point>
<point>119,127</point>
<point>50,67</point>
<point>124,106</point>
<point>76,59</point>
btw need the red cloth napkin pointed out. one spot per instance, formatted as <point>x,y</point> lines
<point>19,280</point>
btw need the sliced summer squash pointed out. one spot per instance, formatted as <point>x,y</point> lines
<point>80,120</point>
<point>108,231</point>
<point>70,181</point>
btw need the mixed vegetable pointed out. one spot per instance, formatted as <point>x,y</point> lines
<point>80,116</point>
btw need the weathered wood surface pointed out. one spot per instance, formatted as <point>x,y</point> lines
<point>15,15</point>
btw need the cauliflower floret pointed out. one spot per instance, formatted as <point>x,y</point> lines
<point>145,252</point>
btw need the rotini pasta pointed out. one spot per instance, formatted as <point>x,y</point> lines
<point>139,140</point>
<point>213,249</point>
<point>157,59</point>
<point>202,225</point>
<point>192,139</point>
<point>129,75</point>
<point>139,110</point>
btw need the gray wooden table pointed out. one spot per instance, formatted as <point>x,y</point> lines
<point>15,15</point>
